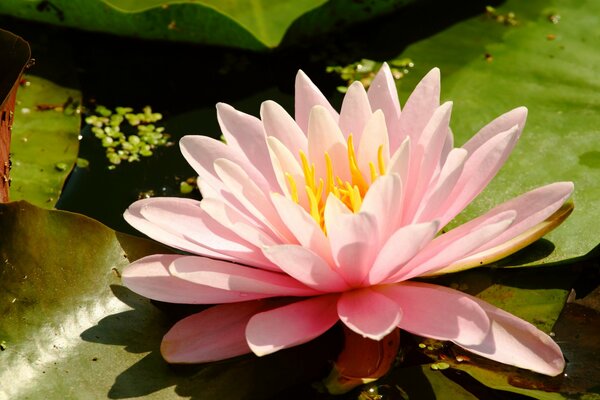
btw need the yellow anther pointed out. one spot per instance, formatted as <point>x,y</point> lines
<point>373,172</point>
<point>308,170</point>
<point>357,178</point>
<point>329,178</point>
<point>380,160</point>
<point>315,211</point>
<point>292,185</point>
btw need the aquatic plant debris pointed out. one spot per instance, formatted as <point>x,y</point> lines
<point>365,71</point>
<point>326,217</point>
<point>111,128</point>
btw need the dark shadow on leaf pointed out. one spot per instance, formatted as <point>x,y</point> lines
<point>536,251</point>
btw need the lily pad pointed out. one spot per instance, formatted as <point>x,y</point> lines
<point>248,24</point>
<point>69,330</point>
<point>44,141</point>
<point>552,66</point>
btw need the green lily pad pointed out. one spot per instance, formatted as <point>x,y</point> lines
<point>45,141</point>
<point>70,331</point>
<point>552,68</point>
<point>248,24</point>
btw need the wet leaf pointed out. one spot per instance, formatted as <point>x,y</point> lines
<point>489,67</point>
<point>69,330</point>
<point>45,141</point>
<point>256,25</point>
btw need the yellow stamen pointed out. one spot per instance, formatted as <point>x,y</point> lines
<point>357,178</point>
<point>380,160</point>
<point>315,211</point>
<point>292,185</point>
<point>351,192</point>
<point>373,172</point>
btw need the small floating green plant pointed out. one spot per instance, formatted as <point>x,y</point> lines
<point>365,70</point>
<point>127,135</point>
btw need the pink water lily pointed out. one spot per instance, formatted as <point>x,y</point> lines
<point>335,213</point>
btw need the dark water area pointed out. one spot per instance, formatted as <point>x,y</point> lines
<point>185,81</point>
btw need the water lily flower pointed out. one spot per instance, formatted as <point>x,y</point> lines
<point>333,215</point>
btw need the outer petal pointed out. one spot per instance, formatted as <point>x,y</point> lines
<point>211,335</point>
<point>479,169</point>
<point>500,124</point>
<point>383,95</point>
<point>451,246</point>
<point>532,209</point>
<point>251,197</point>
<point>201,153</point>
<point>421,105</point>
<point>238,278</point>
<point>433,200</point>
<point>426,157</point>
<point>308,96</point>
<point>369,313</point>
<point>513,341</point>
<point>279,124</point>
<point>403,245</point>
<point>150,277</point>
<point>291,325</point>
<point>155,218</point>
<point>246,135</point>
<point>307,267</point>
<point>355,112</point>
<point>439,312</point>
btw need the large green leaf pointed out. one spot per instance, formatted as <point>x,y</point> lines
<point>248,24</point>
<point>70,331</point>
<point>44,141</point>
<point>489,68</point>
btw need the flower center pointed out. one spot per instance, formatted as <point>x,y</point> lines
<point>351,192</point>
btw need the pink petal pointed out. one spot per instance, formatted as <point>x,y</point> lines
<point>439,312</point>
<point>279,124</point>
<point>308,96</point>
<point>451,246</point>
<point>532,209</point>
<point>355,112</point>
<point>201,153</point>
<point>513,341</point>
<point>403,245</point>
<point>214,334</point>
<point>291,325</point>
<point>373,137</point>
<point>246,135</point>
<point>383,95</point>
<point>369,313</point>
<point>383,200</point>
<point>238,278</point>
<point>324,135</point>
<point>437,195</point>
<point>181,223</point>
<point>354,242</point>
<point>479,169</point>
<point>425,158</point>
<point>150,277</point>
<point>284,162</point>
<point>503,123</point>
<point>303,226</point>
<point>307,267</point>
<point>256,201</point>
<point>420,106</point>
<point>400,162</point>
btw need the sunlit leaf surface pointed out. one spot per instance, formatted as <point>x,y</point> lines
<point>44,141</point>
<point>553,69</point>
